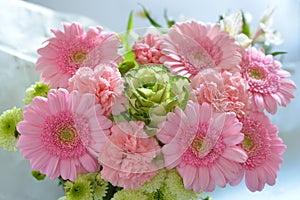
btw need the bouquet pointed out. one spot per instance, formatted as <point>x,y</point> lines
<point>169,114</point>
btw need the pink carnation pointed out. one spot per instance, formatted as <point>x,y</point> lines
<point>148,50</point>
<point>264,149</point>
<point>224,91</point>
<point>202,145</point>
<point>267,82</point>
<point>69,50</point>
<point>192,47</point>
<point>105,82</point>
<point>59,135</point>
<point>127,157</point>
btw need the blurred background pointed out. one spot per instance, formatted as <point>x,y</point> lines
<point>25,25</point>
<point>114,13</point>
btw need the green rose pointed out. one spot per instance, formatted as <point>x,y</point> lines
<point>152,92</point>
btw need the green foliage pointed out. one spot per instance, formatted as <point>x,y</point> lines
<point>151,20</point>
<point>170,23</point>
<point>246,27</point>
<point>38,175</point>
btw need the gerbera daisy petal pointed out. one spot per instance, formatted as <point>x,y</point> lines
<point>268,83</point>
<point>198,46</point>
<point>251,181</point>
<point>217,176</point>
<point>264,149</point>
<point>203,177</point>
<point>202,156</point>
<point>58,145</point>
<point>69,50</point>
<point>235,154</point>
<point>89,163</point>
<point>190,175</point>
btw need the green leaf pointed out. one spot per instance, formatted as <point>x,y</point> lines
<point>207,198</point>
<point>246,27</point>
<point>38,175</point>
<point>130,22</point>
<point>169,22</point>
<point>151,20</point>
<point>276,53</point>
<point>125,37</point>
<point>126,66</point>
<point>220,18</point>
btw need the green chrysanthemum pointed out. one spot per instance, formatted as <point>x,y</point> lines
<point>87,186</point>
<point>153,92</point>
<point>8,132</point>
<point>129,195</point>
<point>39,89</point>
<point>100,187</point>
<point>155,183</point>
<point>80,190</point>
<point>167,185</point>
<point>174,187</point>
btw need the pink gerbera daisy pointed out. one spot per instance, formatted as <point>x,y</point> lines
<point>193,46</point>
<point>72,49</point>
<point>105,82</point>
<point>127,157</point>
<point>264,149</point>
<point>202,145</point>
<point>225,91</point>
<point>148,50</point>
<point>60,134</point>
<point>267,82</point>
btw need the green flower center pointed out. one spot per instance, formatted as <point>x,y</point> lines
<point>67,134</point>
<point>78,57</point>
<point>256,74</point>
<point>199,146</point>
<point>248,144</point>
<point>199,57</point>
<point>158,195</point>
<point>10,128</point>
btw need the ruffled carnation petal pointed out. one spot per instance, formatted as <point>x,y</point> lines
<point>127,157</point>
<point>105,83</point>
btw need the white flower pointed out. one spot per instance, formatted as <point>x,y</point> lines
<point>265,33</point>
<point>233,23</point>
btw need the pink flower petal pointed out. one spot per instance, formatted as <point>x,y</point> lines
<point>235,154</point>
<point>251,181</point>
